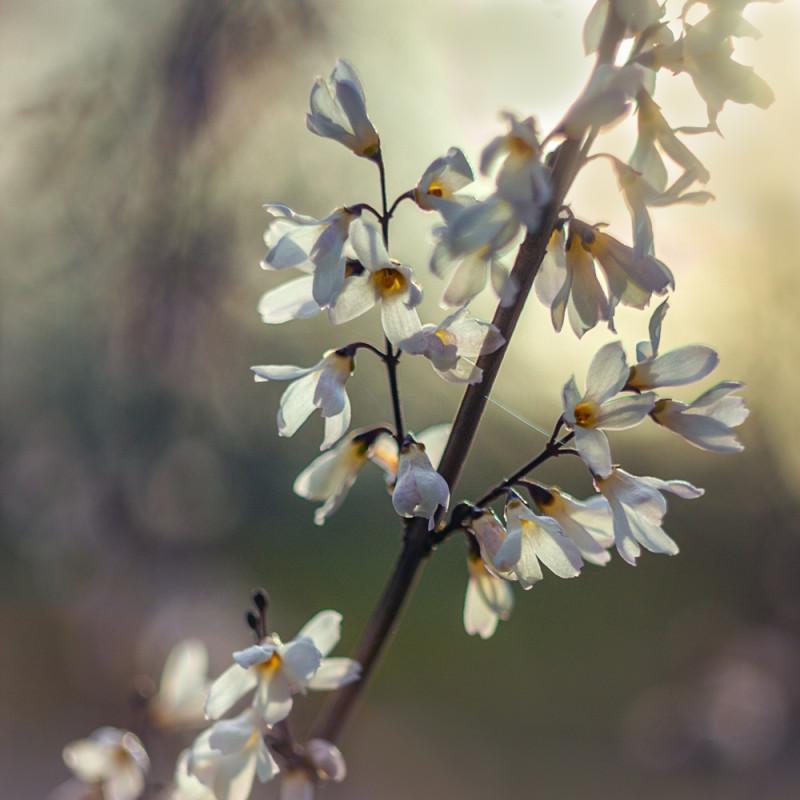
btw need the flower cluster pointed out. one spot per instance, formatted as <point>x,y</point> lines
<point>580,272</point>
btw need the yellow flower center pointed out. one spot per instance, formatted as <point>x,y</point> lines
<point>517,146</point>
<point>586,414</point>
<point>271,664</point>
<point>446,337</point>
<point>389,281</point>
<point>436,189</point>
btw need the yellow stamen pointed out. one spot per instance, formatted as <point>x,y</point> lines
<point>586,414</point>
<point>389,281</point>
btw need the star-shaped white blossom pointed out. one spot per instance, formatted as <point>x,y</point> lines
<point>112,758</point>
<point>228,756</point>
<point>451,346</point>
<point>439,185</point>
<point>522,180</point>
<point>706,423</point>
<point>277,670</point>
<point>321,386</point>
<point>470,247</point>
<point>311,245</point>
<point>385,283</point>
<point>677,367</point>
<point>638,508</point>
<point>598,409</point>
<point>531,539</point>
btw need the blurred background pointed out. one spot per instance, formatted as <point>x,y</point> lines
<point>144,492</point>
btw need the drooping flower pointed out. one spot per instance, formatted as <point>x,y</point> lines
<point>704,52</point>
<point>677,367</point>
<point>339,112</point>
<point>598,409</point>
<point>706,423</point>
<point>587,523</point>
<point>277,670</point>
<point>640,195</point>
<point>456,339</point>
<point>384,282</point>
<point>522,180</point>
<point>321,386</point>
<point>419,489</point>
<point>112,758</point>
<point>227,757</point>
<point>567,282</point>
<point>328,765</point>
<point>445,176</point>
<point>638,508</point>
<point>183,687</point>
<point>488,600</point>
<point>330,476</point>
<point>310,245</point>
<point>532,539</point>
<point>470,246</point>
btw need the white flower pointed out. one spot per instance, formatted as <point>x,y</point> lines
<point>383,282</point>
<point>436,190</point>
<point>704,52</point>
<point>456,339</point>
<point>638,508</point>
<point>420,489</point>
<point>338,111</point>
<point>470,246</point>
<point>531,539</point>
<point>228,755</point>
<point>523,180</point>
<point>183,687</point>
<point>678,367</point>
<point>321,386</point>
<point>328,763</point>
<point>311,245</point>
<point>330,476</point>
<point>588,524</point>
<point>639,195</point>
<point>490,534</point>
<point>567,282</point>
<point>588,415</point>
<point>386,453</point>
<point>114,759</point>
<point>488,600</point>
<point>706,423</point>
<point>277,670</point>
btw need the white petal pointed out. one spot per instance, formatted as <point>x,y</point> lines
<point>607,373</point>
<point>290,300</point>
<point>355,299</point>
<point>297,404</point>
<point>401,325</point>
<point>335,672</point>
<point>324,630</point>
<point>594,449</point>
<point>625,412</point>
<point>229,687</point>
